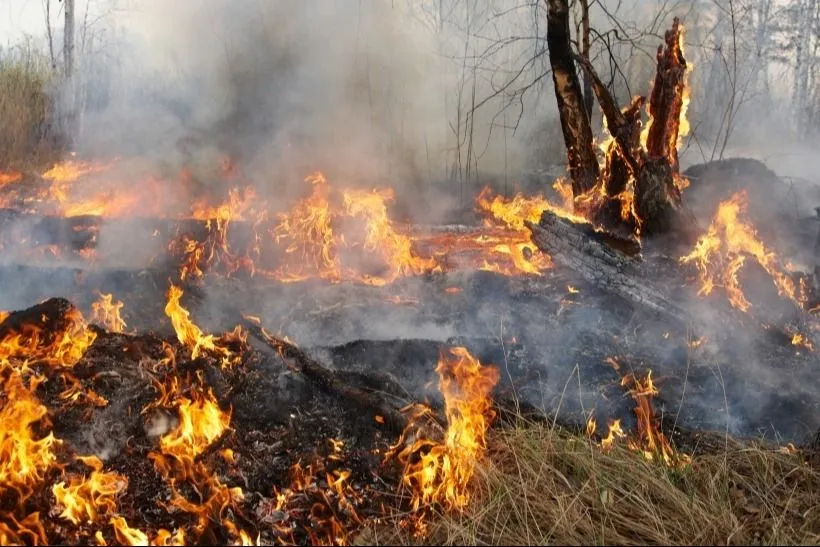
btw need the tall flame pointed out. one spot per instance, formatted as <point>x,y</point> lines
<point>188,333</point>
<point>106,312</point>
<point>720,254</point>
<point>440,472</point>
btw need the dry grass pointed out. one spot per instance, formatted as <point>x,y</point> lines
<point>24,108</point>
<point>545,487</point>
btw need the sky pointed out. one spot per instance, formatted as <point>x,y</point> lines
<point>19,18</point>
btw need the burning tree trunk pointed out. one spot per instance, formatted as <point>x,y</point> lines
<point>583,166</point>
<point>655,203</point>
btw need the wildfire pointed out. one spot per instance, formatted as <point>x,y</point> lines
<point>307,230</point>
<point>513,212</point>
<point>801,340</point>
<point>106,312</point>
<point>188,333</point>
<point>84,499</point>
<point>381,237</point>
<point>720,254</point>
<point>10,177</point>
<point>615,432</point>
<point>24,458</point>
<point>440,472</point>
<point>64,347</point>
<point>651,440</point>
<point>201,422</point>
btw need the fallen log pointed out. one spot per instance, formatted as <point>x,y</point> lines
<point>573,246</point>
<point>331,381</point>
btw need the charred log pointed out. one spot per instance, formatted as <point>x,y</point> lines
<point>573,247</point>
<point>583,165</point>
<point>330,381</point>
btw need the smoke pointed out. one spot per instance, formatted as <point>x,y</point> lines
<point>284,88</point>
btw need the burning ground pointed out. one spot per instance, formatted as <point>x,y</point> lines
<point>190,362</point>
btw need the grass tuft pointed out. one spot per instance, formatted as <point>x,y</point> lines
<point>545,486</point>
<point>24,108</point>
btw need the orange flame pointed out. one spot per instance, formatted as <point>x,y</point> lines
<point>440,472</point>
<point>381,237</point>
<point>106,312</point>
<point>721,252</point>
<point>653,443</point>
<point>24,458</point>
<point>188,333</point>
<point>84,499</point>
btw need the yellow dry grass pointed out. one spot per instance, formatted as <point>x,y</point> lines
<point>24,107</point>
<point>541,486</point>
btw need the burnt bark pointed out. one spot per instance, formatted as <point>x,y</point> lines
<point>666,100</point>
<point>583,165</point>
<point>573,246</point>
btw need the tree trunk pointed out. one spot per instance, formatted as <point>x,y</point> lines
<point>68,39</point>
<point>588,97</point>
<point>583,165</point>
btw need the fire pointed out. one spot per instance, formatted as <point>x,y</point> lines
<point>84,499</point>
<point>381,237</point>
<point>720,254</point>
<point>10,177</point>
<point>651,440</point>
<point>24,458</point>
<point>440,472</point>
<point>333,494</point>
<point>62,348</point>
<point>307,229</point>
<point>513,212</point>
<point>188,333</point>
<point>615,432</point>
<point>106,312</point>
<point>201,422</point>
<point>801,340</point>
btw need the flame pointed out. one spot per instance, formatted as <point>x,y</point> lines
<point>440,472</point>
<point>720,254</point>
<point>801,340</point>
<point>513,212</point>
<point>188,333</point>
<point>615,432</point>
<point>10,177</point>
<point>63,347</point>
<point>28,531</point>
<point>24,458</point>
<point>201,422</point>
<point>84,499</point>
<point>395,248</point>
<point>106,312</point>
<point>651,440</point>
<point>307,229</point>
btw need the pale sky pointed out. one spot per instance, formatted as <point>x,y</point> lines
<point>19,18</point>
